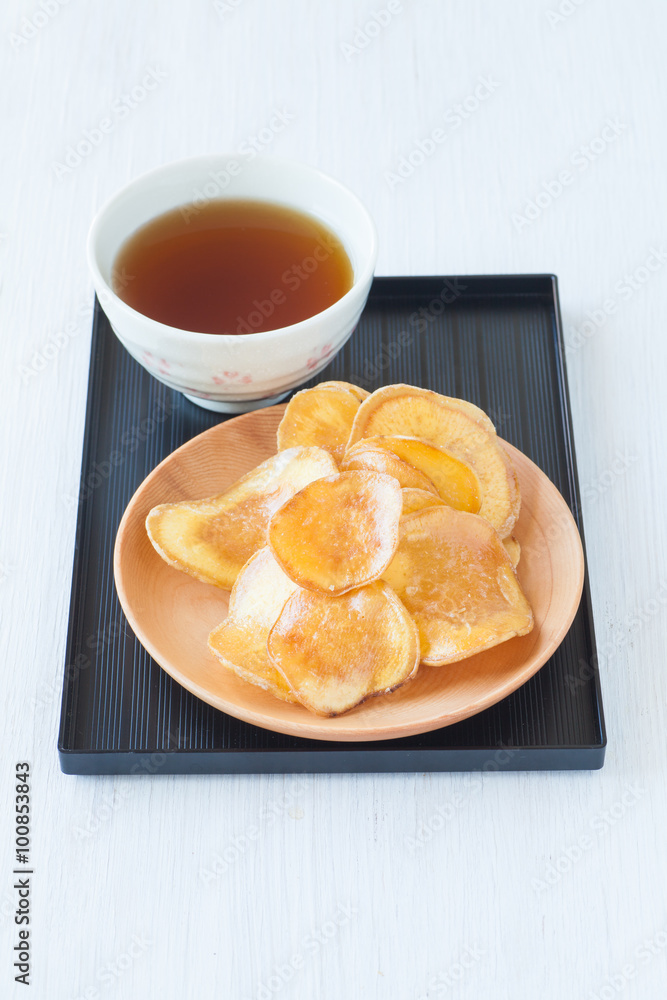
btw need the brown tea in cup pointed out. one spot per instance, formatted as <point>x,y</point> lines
<point>232,266</point>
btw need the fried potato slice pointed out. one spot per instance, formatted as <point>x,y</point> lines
<point>472,411</point>
<point>455,578</point>
<point>413,412</point>
<point>335,652</point>
<point>414,500</point>
<point>257,598</point>
<point>379,459</point>
<point>321,416</point>
<point>356,390</point>
<point>339,532</point>
<point>513,549</point>
<point>452,479</point>
<point>211,539</point>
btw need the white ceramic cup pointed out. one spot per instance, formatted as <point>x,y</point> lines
<point>232,374</point>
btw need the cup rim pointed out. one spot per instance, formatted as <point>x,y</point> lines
<point>195,336</point>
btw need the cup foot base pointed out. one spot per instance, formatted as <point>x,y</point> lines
<point>235,406</point>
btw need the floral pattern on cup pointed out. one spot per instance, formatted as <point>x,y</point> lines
<point>232,378</point>
<point>160,365</point>
<point>318,359</point>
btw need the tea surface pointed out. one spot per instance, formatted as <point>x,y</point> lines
<point>232,267</point>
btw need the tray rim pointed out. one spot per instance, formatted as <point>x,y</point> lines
<point>538,284</point>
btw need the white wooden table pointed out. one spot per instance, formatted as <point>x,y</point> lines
<point>550,155</point>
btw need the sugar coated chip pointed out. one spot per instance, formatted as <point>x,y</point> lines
<point>257,598</point>
<point>456,579</point>
<point>378,538</point>
<point>356,390</point>
<point>472,411</point>
<point>339,532</point>
<point>513,549</point>
<point>419,413</point>
<point>414,500</point>
<point>379,459</point>
<point>335,652</point>
<point>453,480</point>
<point>212,539</point>
<point>320,416</point>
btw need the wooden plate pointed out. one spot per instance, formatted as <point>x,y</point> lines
<point>172,613</point>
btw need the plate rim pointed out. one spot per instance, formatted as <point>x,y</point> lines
<point>314,726</point>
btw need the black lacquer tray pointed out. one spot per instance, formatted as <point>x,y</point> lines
<point>493,340</point>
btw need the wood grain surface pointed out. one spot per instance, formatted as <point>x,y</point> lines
<point>484,138</point>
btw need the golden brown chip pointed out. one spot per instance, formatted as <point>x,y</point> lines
<point>212,539</point>
<point>320,416</point>
<point>378,459</point>
<point>334,652</point>
<point>356,390</point>
<point>257,598</point>
<point>414,500</point>
<point>339,532</point>
<point>472,411</point>
<point>452,479</point>
<point>456,579</point>
<point>413,412</point>
<point>513,550</point>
